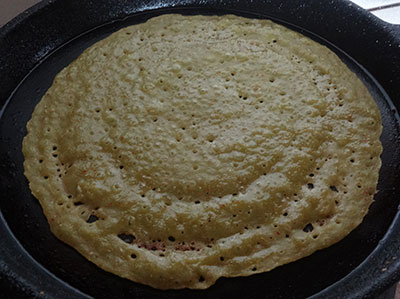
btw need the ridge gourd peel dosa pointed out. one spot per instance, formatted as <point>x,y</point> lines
<point>188,148</point>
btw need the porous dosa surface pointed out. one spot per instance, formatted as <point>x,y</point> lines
<point>188,148</point>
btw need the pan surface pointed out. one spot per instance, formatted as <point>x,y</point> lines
<point>34,261</point>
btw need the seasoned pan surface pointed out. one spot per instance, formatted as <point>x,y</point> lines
<point>364,263</point>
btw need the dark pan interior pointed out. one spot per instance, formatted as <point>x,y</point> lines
<point>303,278</point>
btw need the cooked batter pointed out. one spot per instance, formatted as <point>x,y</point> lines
<point>188,148</point>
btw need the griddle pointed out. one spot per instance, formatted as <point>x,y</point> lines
<point>37,44</point>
